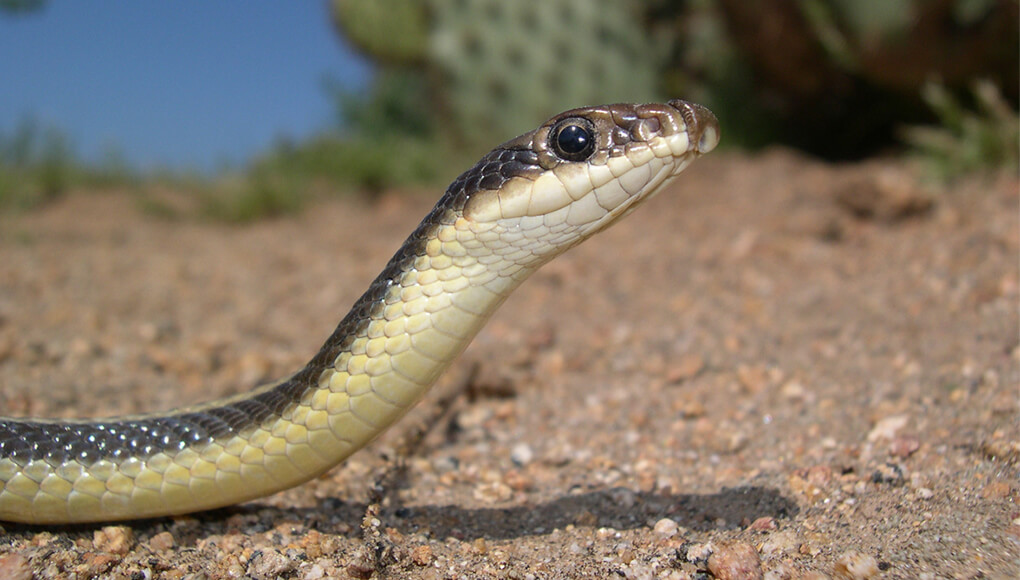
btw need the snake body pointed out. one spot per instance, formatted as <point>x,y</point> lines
<point>521,205</point>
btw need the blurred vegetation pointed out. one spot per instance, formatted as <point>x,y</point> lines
<point>835,78</point>
<point>39,164</point>
<point>977,136</point>
<point>839,79</point>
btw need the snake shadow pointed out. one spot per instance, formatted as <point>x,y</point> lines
<point>617,508</point>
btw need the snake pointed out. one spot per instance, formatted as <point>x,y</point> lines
<point>524,203</point>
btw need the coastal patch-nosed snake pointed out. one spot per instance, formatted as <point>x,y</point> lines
<point>521,205</point>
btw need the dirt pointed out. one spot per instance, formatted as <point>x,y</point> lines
<point>778,368</point>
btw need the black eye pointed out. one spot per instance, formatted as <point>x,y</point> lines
<point>573,139</point>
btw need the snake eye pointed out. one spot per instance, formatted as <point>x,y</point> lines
<point>573,139</point>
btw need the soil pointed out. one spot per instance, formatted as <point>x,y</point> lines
<point>778,368</point>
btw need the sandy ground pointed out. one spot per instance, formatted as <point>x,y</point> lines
<point>779,368</point>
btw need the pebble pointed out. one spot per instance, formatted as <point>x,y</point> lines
<point>113,539</point>
<point>996,490</point>
<point>422,555</point>
<point>763,524</point>
<point>494,492</point>
<point>856,566</point>
<point>161,542</point>
<point>736,561</point>
<point>314,572</point>
<point>666,527</point>
<point>887,428</point>
<point>754,378</point>
<point>269,563</point>
<point>689,409</point>
<point>782,571</point>
<point>889,473</point>
<point>623,497</point>
<point>904,446</point>
<point>699,553</point>
<point>686,367</point>
<point>15,567</point>
<point>793,390</point>
<point>95,565</point>
<point>781,543</point>
<point>522,454</point>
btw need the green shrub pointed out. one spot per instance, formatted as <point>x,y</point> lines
<point>981,136</point>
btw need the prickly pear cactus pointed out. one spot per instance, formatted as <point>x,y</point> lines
<point>502,65</point>
<point>495,67</point>
<point>391,31</point>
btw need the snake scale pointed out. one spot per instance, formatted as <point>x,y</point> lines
<point>521,205</point>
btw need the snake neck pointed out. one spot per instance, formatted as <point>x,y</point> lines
<point>427,304</point>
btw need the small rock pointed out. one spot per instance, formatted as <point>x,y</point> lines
<point>587,519</point>
<point>687,367</point>
<point>623,497</point>
<point>800,485</point>
<point>361,564</point>
<point>113,539</point>
<point>763,524</point>
<point>493,492</point>
<point>781,543</point>
<point>754,379</point>
<point>889,473</point>
<point>819,475</point>
<point>887,428</point>
<point>94,564</point>
<point>268,563</point>
<point>638,571</point>
<point>161,542</point>
<point>314,572</point>
<point>856,566</point>
<point>689,409</point>
<point>924,493</point>
<point>15,567</point>
<point>996,490</point>
<point>782,571</point>
<point>793,390</point>
<point>737,561</point>
<point>727,439</point>
<point>422,555</point>
<point>699,553</point>
<point>521,454</point>
<point>666,528</point>
<point>904,446</point>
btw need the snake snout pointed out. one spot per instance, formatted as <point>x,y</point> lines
<point>702,126</point>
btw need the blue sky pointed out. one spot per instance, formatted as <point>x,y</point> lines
<point>183,84</point>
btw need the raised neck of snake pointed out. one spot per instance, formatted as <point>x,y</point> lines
<point>521,205</point>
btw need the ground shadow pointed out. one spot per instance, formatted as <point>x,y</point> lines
<point>617,508</point>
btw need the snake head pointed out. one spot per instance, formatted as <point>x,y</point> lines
<point>583,169</point>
